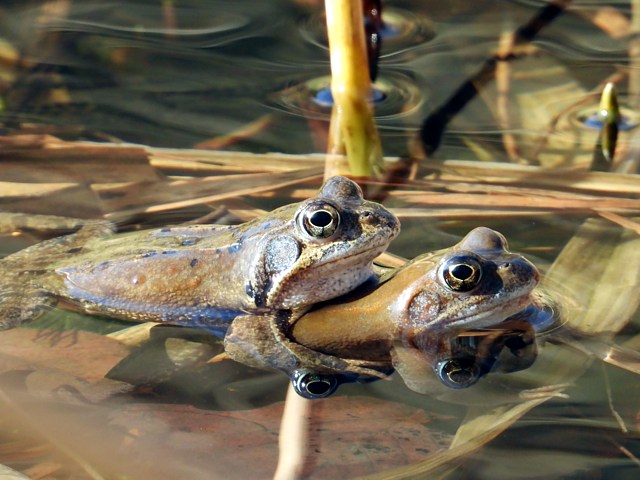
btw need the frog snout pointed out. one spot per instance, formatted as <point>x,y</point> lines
<point>382,218</point>
<point>522,269</point>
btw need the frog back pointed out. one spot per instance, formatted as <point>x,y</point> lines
<point>188,274</point>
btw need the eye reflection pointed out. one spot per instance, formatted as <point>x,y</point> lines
<point>457,373</point>
<point>313,385</point>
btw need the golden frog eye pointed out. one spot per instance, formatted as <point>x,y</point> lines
<point>462,273</point>
<point>320,219</point>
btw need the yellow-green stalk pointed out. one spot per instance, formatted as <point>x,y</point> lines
<point>609,114</point>
<point>353,131</point>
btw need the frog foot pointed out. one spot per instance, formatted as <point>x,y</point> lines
<point>21,297</point>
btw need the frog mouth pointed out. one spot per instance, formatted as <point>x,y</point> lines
<point>369,252</point>
<point>490,316</point>
<point>354,258</point>
<point>373,246</point>
<point>286,285</point>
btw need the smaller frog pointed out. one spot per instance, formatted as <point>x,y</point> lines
<point>412,319</point>
<point>204,275</point>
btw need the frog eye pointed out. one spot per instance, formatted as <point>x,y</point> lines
<point>320,219</point>
<point>462,273</point>
<point>312,385</point>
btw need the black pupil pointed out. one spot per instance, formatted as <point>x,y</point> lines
<point>321,219</point>
<point>462,272</point>
<point>318,387</point>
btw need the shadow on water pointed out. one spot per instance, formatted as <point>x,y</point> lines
<point>78,403</point>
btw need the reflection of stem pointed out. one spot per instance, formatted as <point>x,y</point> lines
<point>169,17</point>
<point>503,84</point>
<point>294,436</point>
<point>355,131</point>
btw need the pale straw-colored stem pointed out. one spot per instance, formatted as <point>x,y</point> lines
<point>294,432</point>
<point>353,130</point>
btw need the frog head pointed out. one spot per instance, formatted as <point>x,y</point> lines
<point>323,248</point>
<point>475,286</point>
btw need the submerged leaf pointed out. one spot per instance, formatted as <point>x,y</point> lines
<point>597,278</point>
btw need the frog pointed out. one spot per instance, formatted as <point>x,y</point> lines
<point>417,319</point>
<point>205,276</point>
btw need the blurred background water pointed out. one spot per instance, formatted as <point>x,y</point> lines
<point>124,69</point>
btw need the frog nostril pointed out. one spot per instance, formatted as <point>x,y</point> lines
<point>368,217</point>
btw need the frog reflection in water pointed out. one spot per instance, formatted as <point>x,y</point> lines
<point>414,320</point>
<point>203,275</point>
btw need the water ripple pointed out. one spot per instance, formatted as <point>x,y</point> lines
<point>398,97</point>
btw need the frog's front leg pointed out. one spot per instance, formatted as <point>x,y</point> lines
<point>261,341</point>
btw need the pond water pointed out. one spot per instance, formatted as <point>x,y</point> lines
<point>181,74</point>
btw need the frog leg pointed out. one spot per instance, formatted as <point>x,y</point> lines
<point>39,256</point>
<point>320,361</point>
<point>22,297</point>
<point>20,302</point>
<point>249,341</point>
<point>93,229</point>
<point>260,341</point>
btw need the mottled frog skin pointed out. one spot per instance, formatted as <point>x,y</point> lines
<point>206,275</point>
<point>407,319</point>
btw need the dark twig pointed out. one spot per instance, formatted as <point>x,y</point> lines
<point>434,125</point>
<point>372,10</point>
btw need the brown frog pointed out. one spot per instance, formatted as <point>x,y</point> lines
<point>206,275</point>
<point>416,319</point>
